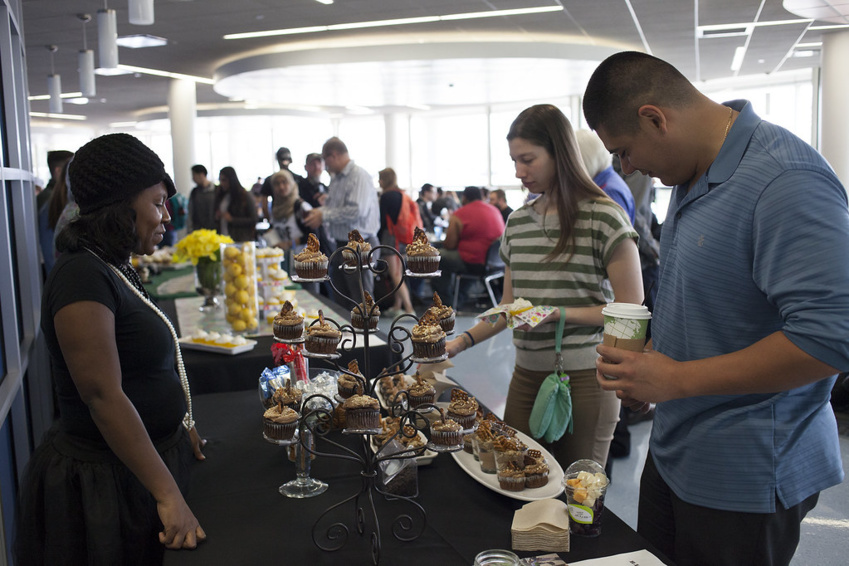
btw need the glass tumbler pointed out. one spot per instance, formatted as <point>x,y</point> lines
<point>496,557</point>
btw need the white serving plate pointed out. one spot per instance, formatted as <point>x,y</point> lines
<point>426,457</point>
<point>189,344</point>
<point>555,475</point>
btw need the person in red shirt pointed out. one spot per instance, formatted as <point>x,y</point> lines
<point>471,231</point>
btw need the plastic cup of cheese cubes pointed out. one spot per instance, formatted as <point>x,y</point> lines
<point>585,484</point>
<point>238,262</point>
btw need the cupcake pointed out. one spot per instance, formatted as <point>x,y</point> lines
<point>421,392</point>
<point>509,451</point>
<point>511,478</point>
<point>365,314</point>
<point>445,432</point>
<point>279,422</point>
<point>357,244</point>
<point>444,313</point>
<point>362,413</point>
<point>288,396</point>
<point>288,325</point>
<point>322,337</point>
<point>421,256</point>
<point>348,385</point>
<point>389,426</point>
<point>428,338</point>
<point>536,470</point>
<point>311,263</point>
<point>463,408</point>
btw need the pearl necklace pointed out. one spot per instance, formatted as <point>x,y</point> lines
<point>188,419</point>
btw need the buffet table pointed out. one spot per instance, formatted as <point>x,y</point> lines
<point>234,496</point>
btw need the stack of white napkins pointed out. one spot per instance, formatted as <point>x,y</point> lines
<point>541,525</point>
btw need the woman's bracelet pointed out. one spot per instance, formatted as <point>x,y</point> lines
<point>470,337</point>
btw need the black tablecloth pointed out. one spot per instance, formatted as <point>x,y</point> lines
<point>234,496</point>
<point>217,373</point>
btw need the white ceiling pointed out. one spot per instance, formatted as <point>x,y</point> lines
<point>438,64</point>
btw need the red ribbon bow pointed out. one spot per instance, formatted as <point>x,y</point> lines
<point>293,357</point>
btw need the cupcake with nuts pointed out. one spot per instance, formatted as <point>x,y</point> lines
<point>536,470</point>
<point>366,314</point>
<point>445,433</point>
<point>421,392</point>
<point>288,324</point>
<point>362,413</point>
<point>428,338</point>
<point>359,249</point>
<point>288,396</point>
<point>348,385</point>
<point>444,314</point>
<point>421,256</point>
<point>463,408</point>
<point>511,478</point>
<point>322,337</point>
<point>311,263</point>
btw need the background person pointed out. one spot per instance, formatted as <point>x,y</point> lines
<point>235,211</point>
<point>104,486</point>
<point>599,164</point>
<point>560,250</point>
<point>498,199</point>
<point>399,216</point>
<point>202,201</point>
<point>749,326</point>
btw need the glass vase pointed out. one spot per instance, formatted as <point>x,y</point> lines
<point>208,282</point>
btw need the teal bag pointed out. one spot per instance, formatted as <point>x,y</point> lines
<point>551,416</point>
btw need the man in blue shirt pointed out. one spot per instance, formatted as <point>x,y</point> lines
<point>750,320</point>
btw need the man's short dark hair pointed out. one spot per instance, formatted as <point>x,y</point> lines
<point>499,194</point>
<point>200,169</point>
<point>426,188</point>
<point>624,82</point>
<point>334,145</point>
<point>472,194</point>
<point>312,157</point>
<point>284,154</point>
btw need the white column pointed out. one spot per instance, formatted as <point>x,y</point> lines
<point>182,111</point>
<point>835,112</point>
<point>397,128</point>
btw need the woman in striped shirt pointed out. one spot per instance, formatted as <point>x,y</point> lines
<point>572,247</point>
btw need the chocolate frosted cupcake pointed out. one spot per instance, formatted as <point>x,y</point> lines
<point>463,408</point>
<point>357,244</point>
<point>428,338</point>
<point>311,263</point>
<point>511,478</point>
<point>362,413</point>
<point>365,314</point>
<point>444,314</point>
<point>421,392</point>
<point>421,256</point>
<point>536,470</point>
<point>348,385</point>
<point>322,337</point>
<point>445,432</point>
<point>288,324</point>
<point>280,422</point>
<point>288,396</point>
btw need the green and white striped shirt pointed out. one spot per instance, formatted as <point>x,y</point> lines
<point>580,282</point>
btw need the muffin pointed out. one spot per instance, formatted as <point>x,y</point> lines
<point>536,470</point>
<point>445,432</point>
<point>288,324</point>
<point>322,337</point>
<point>288,396</point>
<point>428,338</point>
<point>421,392</point>
<point>311,263</point>
<point>463,408</point>
<point>348,385</point>
<point>365,314</point>
<point>356,243</point>
<point>279,422</point>
<point>444,313</point>
<point>511,478</point>
<point>421,256</point>
<point>362,413</point>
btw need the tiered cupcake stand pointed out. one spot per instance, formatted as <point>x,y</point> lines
<point>316,421</point>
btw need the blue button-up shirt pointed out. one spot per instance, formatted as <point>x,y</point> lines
<point>759,244</point>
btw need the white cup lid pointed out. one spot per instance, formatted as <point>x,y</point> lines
<point>626,310</point>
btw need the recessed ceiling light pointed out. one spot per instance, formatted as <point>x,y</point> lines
<point>111,72</point>
<point>59,116</point>
<point>79,100</point>
<point>141,40</point>
<point>328,2</point>
<point>47,96</point>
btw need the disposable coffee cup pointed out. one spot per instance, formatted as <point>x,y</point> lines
<point>625,326</point>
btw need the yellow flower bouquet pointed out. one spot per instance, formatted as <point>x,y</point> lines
<point>200,244</point>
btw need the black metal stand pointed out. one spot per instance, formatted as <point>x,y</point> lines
<point>317,415</point>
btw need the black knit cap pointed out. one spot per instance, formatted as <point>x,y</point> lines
<point>113,168</point>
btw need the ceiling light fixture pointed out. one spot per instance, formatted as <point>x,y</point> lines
<point>85,62</point>
<point>328,2</point>
<point>748,26</point>
<point>396,22</point>
<point>156,72</point>
<point>141,12</point>
<point>107,37</point>
<point>47,96</point>
<point>54,84</point>
<point>737,61</point>
<point>61,116</point>
<point>141,40</point>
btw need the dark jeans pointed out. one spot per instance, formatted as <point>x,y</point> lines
<point>692,535</point>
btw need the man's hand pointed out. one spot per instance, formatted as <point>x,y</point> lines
<point>313,218</point>
<point>638,377</point>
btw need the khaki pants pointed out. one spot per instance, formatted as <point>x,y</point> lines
<point>595,413</point>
